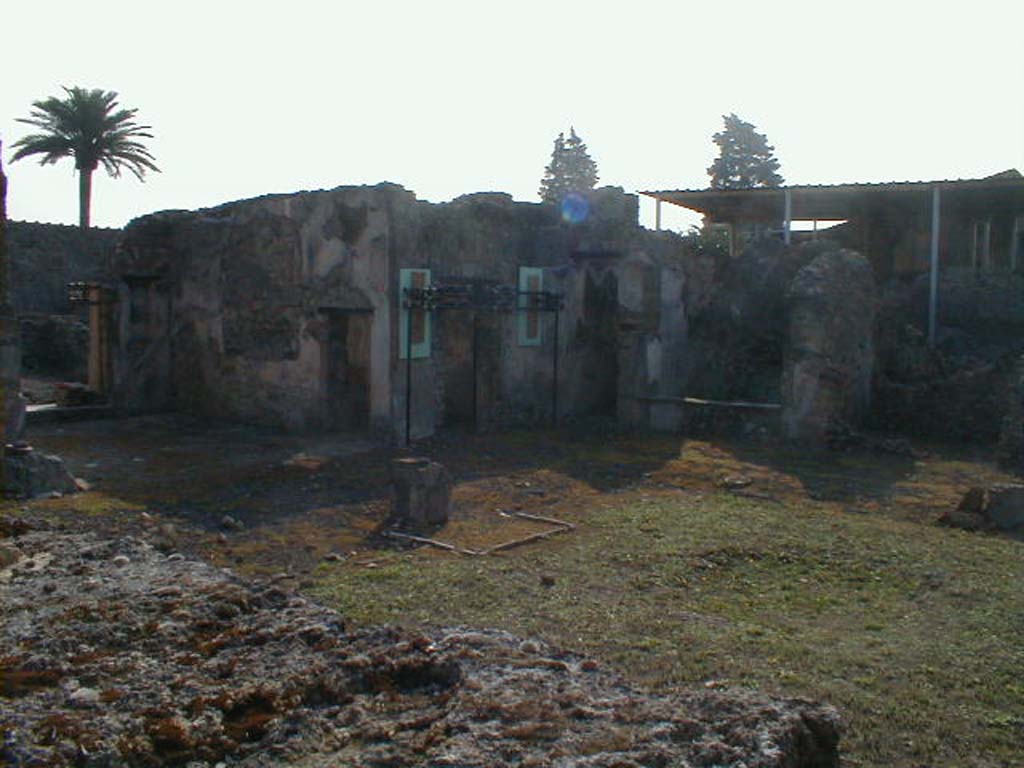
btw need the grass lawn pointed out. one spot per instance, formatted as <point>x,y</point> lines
<point>913,631</point>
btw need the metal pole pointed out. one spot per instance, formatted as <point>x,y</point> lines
<point>933,283</point>
<point>788,217</point>
<point>408,375</point>
<point>554,378</point>
<point>476,419</point>
<point>657,215</point>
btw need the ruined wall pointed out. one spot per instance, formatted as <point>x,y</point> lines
<point>487,238</point>
<point>54,346</point>
<point>958,389</point>
<point>829,354</point>
<point>792,326</point>
<point>244,311</point>
<point>44,258</point>
<point>1010,448</point>
<point>9,357</point>
<point>653,337</point>
<point>250,287</point>
<point>738,332</point>
<point>741,322</point>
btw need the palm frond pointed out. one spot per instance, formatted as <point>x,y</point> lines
<point>88,126</point>
<point>52,147</point>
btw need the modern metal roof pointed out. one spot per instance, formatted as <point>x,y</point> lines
<point>831,201</point>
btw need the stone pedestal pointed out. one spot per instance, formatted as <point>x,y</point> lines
<point>998,507</point>
<point>1006,507</point>
<point>28,473</point>
<point>422,493</point>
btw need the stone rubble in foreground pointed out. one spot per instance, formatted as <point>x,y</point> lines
<point>112,653</point>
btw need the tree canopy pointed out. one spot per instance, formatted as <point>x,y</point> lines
<point>571,169</point>
<point>89,127</point>
<point>745,159</point>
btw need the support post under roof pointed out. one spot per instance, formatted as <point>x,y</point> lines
<point>933,282</point>
<point>787,223</point>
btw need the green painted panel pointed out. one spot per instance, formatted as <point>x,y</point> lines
<point>421,320</point>
<point>531,280</point>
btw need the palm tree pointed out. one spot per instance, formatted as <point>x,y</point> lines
<point>87,126</point>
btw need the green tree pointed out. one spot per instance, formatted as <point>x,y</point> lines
<point>571,169</point>
<point>88,126</point>
<point>745,158</point>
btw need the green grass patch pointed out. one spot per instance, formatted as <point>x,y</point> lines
<point>913,631</point>
<point>87,503</point>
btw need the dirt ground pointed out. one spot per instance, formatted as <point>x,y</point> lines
<point>692,561</point>
<point>299,499</point>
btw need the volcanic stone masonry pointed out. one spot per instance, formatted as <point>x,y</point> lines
<point>287,310</point>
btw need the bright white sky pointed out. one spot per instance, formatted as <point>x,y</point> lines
<point>446,98</point>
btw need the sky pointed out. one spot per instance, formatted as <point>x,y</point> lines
<point>447,98</point>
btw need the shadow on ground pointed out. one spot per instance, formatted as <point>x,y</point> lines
<point>264,500</point>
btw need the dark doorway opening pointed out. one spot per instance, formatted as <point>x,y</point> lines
<point>470,351</point>
<point>345,364</point>
<point>598,339</point>
<point>455,338</point>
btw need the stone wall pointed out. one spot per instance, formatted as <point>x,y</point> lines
<point>1010,449</point>
<point>738,331</point>
<point>54,346</point>
<point>225,312</point>
<point>829,353</point>
<point>273,310</point>
<point>741,325</point>
<point>44,258</point>
<point>958,389</point>
<point>10,411</point>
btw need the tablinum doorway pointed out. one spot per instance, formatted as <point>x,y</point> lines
<point>470,346</point>
<point>485,297</point>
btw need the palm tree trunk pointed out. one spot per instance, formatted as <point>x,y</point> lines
<point>84,196</point>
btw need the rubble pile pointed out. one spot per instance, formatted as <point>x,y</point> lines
<point>112,653</point>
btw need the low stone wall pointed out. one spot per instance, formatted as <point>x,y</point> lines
<point>44,258</point>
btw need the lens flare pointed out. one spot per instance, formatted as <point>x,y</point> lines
<point>575,209</point>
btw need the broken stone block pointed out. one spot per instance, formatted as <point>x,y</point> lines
<point>422,493</point>
<point>28,473</point>
<point>974,502</point>
<point>1000,507</point>
<point>73,394</point>
<point>1006,506</point>
<point>8,556</point>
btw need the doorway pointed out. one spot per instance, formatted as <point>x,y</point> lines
<point>345,363</point>
<point>597,341</point>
